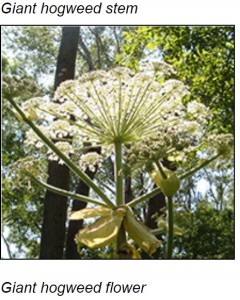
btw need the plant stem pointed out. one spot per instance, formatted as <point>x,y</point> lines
<point>144,197</point>
<point>118,174</point>
<point>67,194</point>
<point>159,166</point>
<point>170,233</point>
<point>204,164</point>
<point>121,237</point>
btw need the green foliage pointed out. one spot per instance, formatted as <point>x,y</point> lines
<point>203,57</point>
<point>34,48</point>
<point>208,233</point>
<point>22,209</point>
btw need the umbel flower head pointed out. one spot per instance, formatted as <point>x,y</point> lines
<point>105,107</point>
<point>141,110</point>
<point>117,105</point>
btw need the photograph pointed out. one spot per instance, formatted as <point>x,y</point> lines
<point>118,142</point>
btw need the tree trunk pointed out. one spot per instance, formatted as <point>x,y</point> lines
<point>55,206</point>
<point>155,205</point>
<point>82,188</point>
<point>75,226</point>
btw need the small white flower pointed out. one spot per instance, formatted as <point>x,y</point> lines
<point>90,161</point>
<point>32,139</point>
<point>23,169</point>
<point>60,129</point>
<point>199,111</point>
<point>220,144</point>
<point>156,68</point>
<point>65,147</point>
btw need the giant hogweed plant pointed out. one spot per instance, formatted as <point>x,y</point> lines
<point>139,121</point>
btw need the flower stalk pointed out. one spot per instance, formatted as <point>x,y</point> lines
<point>67,194</point>
<point>119,174</point>
<point>201,166</point>
<point>160,169</point>
<point>121,236</point>
<point>144,197</point>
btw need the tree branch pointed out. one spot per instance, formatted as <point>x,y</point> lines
<point>7,246</point>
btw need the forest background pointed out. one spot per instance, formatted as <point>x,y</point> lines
<point>204,59</point>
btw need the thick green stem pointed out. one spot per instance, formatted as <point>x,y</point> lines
<point>121,237</point>
<point>67,161</point>
<point>119,174</point>
<point>170,232</point>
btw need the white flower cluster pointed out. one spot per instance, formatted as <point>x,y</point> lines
<point>90,161</point>
<point>30,108</point>
<point>156,68</point>
<point>199,111</point>
<point>26,167</point>
<point>141,111</point>
<point>221,143</point>
<point>60,129</point>
<point>32,139</point>
<point>118,105</point>
<point>174,140</point>
<point>65,147</point>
